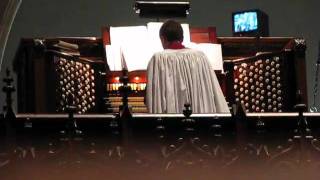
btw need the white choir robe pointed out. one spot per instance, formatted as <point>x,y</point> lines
<point>180,76</point>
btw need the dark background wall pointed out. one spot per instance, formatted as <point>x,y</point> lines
<point>2,7</point>
<point>47,18</point>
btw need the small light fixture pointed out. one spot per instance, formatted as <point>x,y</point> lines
<point>162,9</point>
<point>136,79</point>
<point>117,79</point>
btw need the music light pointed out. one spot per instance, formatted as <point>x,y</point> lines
<point>136,79</point>
<point>116,79</point>
<point>162,9</point>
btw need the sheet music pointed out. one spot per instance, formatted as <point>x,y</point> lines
<point>123,60</point>
<point>131,44</point>
<point>113,57</point>
<point>212,51</point>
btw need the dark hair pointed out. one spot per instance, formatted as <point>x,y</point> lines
<point>172,31</point>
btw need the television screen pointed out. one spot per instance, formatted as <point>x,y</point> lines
<point>245,21</point>
<point>250,23</point>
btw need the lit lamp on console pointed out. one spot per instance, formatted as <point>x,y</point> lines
<point>135,83</point>
<point>116,83</point>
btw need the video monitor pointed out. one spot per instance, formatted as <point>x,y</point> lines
<point>250,23</point>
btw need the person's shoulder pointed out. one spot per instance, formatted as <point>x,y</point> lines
<point>159,55</point>
<point>191,50</point>
<point>195,52</point>
<point>175,52</point>
<point>165,52</point>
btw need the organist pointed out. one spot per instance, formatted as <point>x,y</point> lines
<point>180,75</point>
<point>132,48</point>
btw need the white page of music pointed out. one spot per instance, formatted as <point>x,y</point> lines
<point>212,51</point>
<point>130,43</point>
<point>133,46</point>
<point>113,58</point>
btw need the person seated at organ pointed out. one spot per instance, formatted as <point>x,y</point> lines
<point>179,75</point>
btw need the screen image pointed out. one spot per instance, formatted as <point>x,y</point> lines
<point>245,21</point>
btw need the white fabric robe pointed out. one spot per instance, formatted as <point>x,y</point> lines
<point>177,77</point>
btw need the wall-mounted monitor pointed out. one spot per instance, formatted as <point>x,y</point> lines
<point>250,23</point>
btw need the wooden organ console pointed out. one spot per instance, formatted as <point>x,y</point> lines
<point>138,80</point>
<point>50,77</point>
<point>266,74</point>
<point>263,74</point>
<point>266,141</point>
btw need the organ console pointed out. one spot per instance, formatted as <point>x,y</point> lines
<point>137,79</point>
<point>263,74</point>
<point>48,75</point>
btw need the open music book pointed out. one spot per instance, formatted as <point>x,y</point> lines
<point>133,46</point>
<point>68,48</point>
<point>212,51</point>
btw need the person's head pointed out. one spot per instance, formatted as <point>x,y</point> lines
<point>170,31</point>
